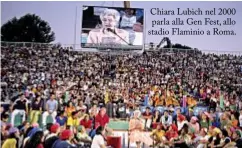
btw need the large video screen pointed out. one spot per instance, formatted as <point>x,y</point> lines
<point>112,28</point>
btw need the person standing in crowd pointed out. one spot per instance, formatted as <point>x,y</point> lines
<point>20,106</point>
<point>51,109</point>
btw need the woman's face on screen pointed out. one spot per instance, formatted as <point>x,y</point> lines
<point>108,21</point>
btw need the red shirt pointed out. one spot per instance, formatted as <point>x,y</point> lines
<point>40,146</point>
<point>171,134</point>
<point>145,114</point>
<point>101,121</point>
<point>86,124</point>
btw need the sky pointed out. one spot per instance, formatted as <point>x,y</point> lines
<point>61,18</point>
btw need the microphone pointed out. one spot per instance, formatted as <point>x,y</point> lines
<point>114,32</point>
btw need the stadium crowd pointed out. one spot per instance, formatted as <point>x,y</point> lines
<point>67,98</point>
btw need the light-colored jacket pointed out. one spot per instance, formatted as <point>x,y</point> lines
<point>166,122</point>
<point>102,36</point>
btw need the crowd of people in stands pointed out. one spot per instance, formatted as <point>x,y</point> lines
<point>67,98</point>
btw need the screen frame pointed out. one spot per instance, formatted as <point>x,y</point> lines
<point>97,48</point>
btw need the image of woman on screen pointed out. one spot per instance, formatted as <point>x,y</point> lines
<point>109,33</point>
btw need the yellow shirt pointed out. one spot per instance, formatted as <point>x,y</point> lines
<point>72,122</point>
<point>10,143</point>
<point>158,133</point>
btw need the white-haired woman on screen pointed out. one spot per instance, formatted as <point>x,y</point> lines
<point>109,33</point>
<point>136,134</point>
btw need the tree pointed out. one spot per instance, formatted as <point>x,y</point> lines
<point>28,28</point>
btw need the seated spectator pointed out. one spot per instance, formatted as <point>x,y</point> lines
<point>86,122</point>
<point>234,121</point>
<point>194,124</point>
<point>72,121</point>
<point>36,109</point>
<point>171,135</point>
<point>20,107</point>
<point>53,136</point>
<point>202,138</point>
<point>81,106</point>
<point>215,122</point>
<point>65,140</point>
<point>156,118</point>
<point>98,140</point>
<point>25,135</point>
<point>147,116</point>
<point>102,119</point>
<point>158,135</point>
<point>54,131</point>
<point>61,119</point>
<point>36,140</point>
<point>136,127</point>
<point>215,139</point>
<point>181,120</point>
<point>51,109</point>
<point>82,135</point>
<point>4,119</point>
<point>93,111</point>
<point>174,118</point>
<point>166,120</point>
<point>184,140</point>
<point>204,122</point>
<point>224,120</point>
<point>70,108</point>
<point>13,139</point>
<point>237,138</point>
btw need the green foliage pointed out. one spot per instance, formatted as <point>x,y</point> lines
<point>28,28</point>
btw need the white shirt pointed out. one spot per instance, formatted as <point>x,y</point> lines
<point>128,21</point>
<point>180,124</point>
<point>240,120</point>
<point>98,140</point>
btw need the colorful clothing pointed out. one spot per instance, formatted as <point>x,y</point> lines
<point>137,135</point>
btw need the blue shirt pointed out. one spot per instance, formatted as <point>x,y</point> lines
<point>61,121</point>
<point>52,105</point>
